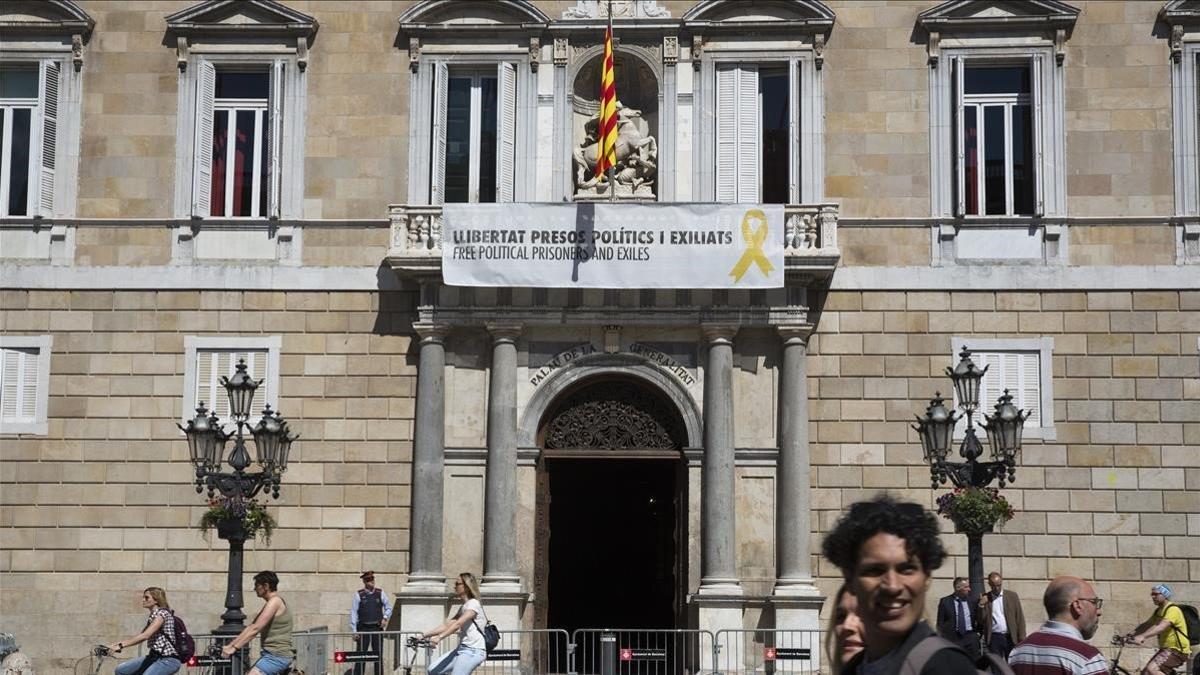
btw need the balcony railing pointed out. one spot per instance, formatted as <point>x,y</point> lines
<point>809,239</point>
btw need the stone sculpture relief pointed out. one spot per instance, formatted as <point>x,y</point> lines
<point>637,158</point>
<point>621,9</point>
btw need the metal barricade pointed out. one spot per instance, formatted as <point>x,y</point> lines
<point>747,652</point>
<point>530,652</point>
<point>612,651</point>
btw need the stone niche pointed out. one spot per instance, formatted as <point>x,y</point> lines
<point>636,172</point>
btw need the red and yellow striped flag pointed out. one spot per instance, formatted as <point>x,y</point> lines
<point>606,155</point>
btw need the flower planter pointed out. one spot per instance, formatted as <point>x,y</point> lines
<point>232,529</point>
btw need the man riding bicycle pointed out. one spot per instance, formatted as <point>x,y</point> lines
<point>1168,624</point>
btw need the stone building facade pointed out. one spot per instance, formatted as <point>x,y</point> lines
<point>428,413</point>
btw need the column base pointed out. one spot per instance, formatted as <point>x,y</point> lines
<point>423,603</point>
<point>797,604</point>
<point>504,607</point>
<point>720,605</point>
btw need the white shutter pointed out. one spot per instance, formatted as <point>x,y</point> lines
<point>10,383</point>
<point>960,168</point>
<point>727,139</point>
<point>205,381</point>
<point>49,146</point>
<point>29,384</point>
<point>212,365</point>
<point>1020,374</point>
<point>506,127</point>
<point>274,138</point>
<point>1035,112</point>
<point>206,92</point>
<point>441,80</point>
<point>1030,387</point>
<point>749,135</point>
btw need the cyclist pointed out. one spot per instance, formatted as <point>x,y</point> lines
<point>274,626</point>
<point>163,658</point>
<point>1168,624</point>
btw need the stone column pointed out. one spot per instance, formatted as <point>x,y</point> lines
<point>720,599</point>
<point>424,598</point>
<point>797,601</point>
<point>499,537</point>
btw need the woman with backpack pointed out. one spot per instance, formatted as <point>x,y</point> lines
<point>163,658</point>
<point>468,622</point>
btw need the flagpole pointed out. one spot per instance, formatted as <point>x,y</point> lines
<point>612,169</point>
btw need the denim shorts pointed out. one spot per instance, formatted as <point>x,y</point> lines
<point>270,664</point>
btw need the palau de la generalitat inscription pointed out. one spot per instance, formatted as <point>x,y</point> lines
<point>660,358</point>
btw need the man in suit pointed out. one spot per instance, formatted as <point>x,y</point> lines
<point>958,618</point>
<point>1002,619</point>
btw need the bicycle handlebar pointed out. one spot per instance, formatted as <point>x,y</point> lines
<point>414,642</point>
<point>101,650</point>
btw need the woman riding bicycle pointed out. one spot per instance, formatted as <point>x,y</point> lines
<point>163,658</point>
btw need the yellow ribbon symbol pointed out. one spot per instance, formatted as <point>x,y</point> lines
<point>754,241</point>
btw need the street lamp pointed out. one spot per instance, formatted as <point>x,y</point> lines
<point>206,442</point>
<point>1004,430</point>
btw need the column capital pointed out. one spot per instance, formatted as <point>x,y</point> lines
<point>717,333</point>
<point>798,331</point>
<point>504,330</point>
<point>430,331</point>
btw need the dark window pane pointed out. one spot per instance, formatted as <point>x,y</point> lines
<point>458,140</point>
<point>18,171</point>
<point>997,79</point>
<point>1023,168</point>
<point>243,164</point>
<point>243,85</point>
<point>18,81</point>
<point>220,142</point>
<point>993,160</point>
<point>971,159</point>
<point>773,85</point>
<point>264,171</point>
<point>487,140</point>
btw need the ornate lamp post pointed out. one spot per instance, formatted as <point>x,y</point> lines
<point>206,442</point>
<point>1003,429</point>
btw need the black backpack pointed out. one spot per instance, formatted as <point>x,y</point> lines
<point>184,644</point>
<point>491,635</point>
<point>987,664</point>
<point>1191,617</point>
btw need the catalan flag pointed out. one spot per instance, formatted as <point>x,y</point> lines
<point>606,155</point>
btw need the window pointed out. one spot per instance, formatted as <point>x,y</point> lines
<point>24,384</point>
<point>238,140</point>
<point>754,145</point>
<point>474,133</point>
<point>995,136</point>
<point>29,105</point>
<point>208,359</point>
<point>1185,70</point>
<point>1023,368</point>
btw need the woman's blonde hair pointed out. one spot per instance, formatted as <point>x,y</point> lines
<point>470,584</point>
<point>831,646</point>
<point>159,595</point>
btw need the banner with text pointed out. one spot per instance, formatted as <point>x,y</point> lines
<point>613,245</point>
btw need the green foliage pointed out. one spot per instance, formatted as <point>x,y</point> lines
<point>252,514</point>
<point>975,510</point>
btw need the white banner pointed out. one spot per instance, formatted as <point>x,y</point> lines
<point>601,245</point>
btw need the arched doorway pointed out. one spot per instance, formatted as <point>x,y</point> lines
<point>611,508</point>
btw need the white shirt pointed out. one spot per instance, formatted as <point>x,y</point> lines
<point>999,625</point>
<point>471,634</point>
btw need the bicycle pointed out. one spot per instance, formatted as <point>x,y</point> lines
<point>1119,641</point>
<point>414,643</point>
<point>97,656</point>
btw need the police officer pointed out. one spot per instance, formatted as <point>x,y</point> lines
<point>369,613</point>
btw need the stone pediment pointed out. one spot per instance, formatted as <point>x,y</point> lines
<point>621,9</point>
<point>1181,12</point>
<point>44,17</point>
<point>789,15</point>
<point>450,15</point>
<point>998,15</point>
<point>239,19</point>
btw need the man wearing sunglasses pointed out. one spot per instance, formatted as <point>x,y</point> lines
<point>1168,624</point>
<point>1060,646</point>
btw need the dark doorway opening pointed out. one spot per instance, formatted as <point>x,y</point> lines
<point>614,542</point>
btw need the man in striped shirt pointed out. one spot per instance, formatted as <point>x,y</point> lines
<point>1059,647</point>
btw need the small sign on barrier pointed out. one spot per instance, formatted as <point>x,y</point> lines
<point>355,657</point>
<point>504,655</point>
<point>628,654</point>
<point>787,654</point>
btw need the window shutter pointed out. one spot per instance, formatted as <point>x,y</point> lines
<point>506,127</point>
<point>212,365</point>
<point>49,106</point>
<point>441,78</point>
<point>274,138</point>
<point>1030,387</point>
<point>205,381</point>
<point>29,384</point>
<point>727,141</point>
<point>1035,77</point>
<point>206,92</point>
<point>10,383</point>
<point>960,198</point>
<point>749,135</point>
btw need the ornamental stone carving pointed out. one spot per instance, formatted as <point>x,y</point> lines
<point>614,416</point>
<point>621,9</point>
<point>637,158</point>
